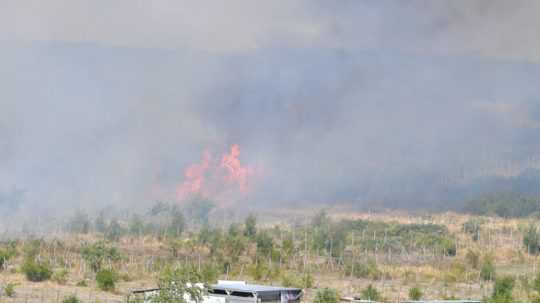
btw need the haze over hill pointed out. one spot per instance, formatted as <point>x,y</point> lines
<point>360,101</point>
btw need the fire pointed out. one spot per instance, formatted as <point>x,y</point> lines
<point>235,172</point>
<point>217,179</point>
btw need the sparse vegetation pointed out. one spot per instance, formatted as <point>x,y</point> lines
<point>326,295</point>
<point>71,299</point>
<point>415,293</point>
<point>106,279</point>
<point>9,289</point>
<point>371,293</point>
<point>369,251</point>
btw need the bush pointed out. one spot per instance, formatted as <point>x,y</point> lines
<point>9,290</point>
<point>106,279</point>
<point>71,299</point>
<point>297,281</point>
<point>36,272</point>
<point>250,229</point>
<point>60,276</point>
<point>173,285</point>
<point>415,294</point>
<point>371,294</point>
<point>487,272</point>
<point>96,253</point>
<point>326,295</point>
<point>368,270</point>
<point>502,290</point>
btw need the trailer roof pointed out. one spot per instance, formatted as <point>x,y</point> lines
<point>252,287</point>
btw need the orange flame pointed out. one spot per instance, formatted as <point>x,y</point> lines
<point>216,180</point>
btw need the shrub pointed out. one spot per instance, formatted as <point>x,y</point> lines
<point>106,279</point>
<point>71,299</point>
<point>368,270</point>
<point>250,229</point>
<point>326,295</point>
<point>9,290</point>
<point>96,253</point>
<point>487,272</point>
<point>371,294</point>
<point>502,290</point>
<point>35,271</point>
<point>297,281</point>
<point>60,276</point>
<point>415,293</point>
<point>173,285</point>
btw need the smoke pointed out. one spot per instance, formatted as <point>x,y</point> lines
<point>365,101</point>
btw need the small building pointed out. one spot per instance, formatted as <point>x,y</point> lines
<point>236,292</point>
<point>241,292</point>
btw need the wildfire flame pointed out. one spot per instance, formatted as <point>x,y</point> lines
<point>217,179</point>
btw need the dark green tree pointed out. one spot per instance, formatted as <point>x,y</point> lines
<point>250,226</point>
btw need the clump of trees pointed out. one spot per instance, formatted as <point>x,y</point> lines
<point>506,205</point>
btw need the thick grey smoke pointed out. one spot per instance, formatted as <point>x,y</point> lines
<point>362,101</point>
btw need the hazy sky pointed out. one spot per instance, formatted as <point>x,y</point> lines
<point>104,102</point>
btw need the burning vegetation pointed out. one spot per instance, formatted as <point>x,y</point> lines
<point>220,179</point>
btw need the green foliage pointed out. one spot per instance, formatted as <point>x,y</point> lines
<point>371,293</point>
<point>506,205</point>
<point>106,279</point>
<point>531,240</point>
<point>174,284</point>
<point>60,276</point>
<point>4,257</point>
<point>366,270</point>
<point>502,290</point>
<point>382,236</point>
<point>297,280</point>
<point>326,295</point>
<point>36,271</point>
<point>265,244</point>
<point>209,273</point>
<point>415,293</point>
<point>487,272</point>
<point>95,254</point>
<point>31,248</point>
<point>327,236</point>
<point>9,289</point>
<point>71,299</point>
<point>250,226</point>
